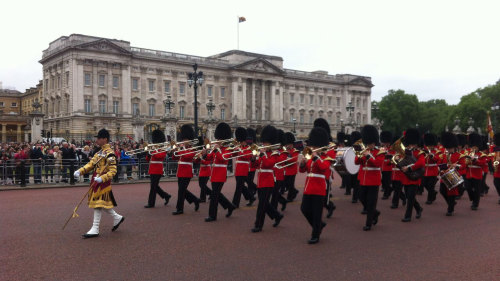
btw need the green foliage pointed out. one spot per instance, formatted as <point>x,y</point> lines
<point>400,110</point>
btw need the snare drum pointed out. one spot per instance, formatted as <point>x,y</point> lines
<point>452,179</point>
<point>345,161</point>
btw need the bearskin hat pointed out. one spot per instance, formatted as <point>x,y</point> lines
<point>222,131</point>
<point>475,140</point>
<point>341,138</point>
<point>158,136</point>
<point>355,136</point>
<point>251,135</point>
<point>449,140</point>
<point>241,134</point>
<point>187,132</point>
<point>496,139</point>
<point>369,134</point>
<point>462,139</point>
<point>318,137</point>
<point>385,137</point>
<point>484,143</point>
<point>103,134</point>
<point>395,138</point>
<point>412,136</point>
<point>289,138</point>
<point>322,123</point>
<point>430,139</point>
<point>269,134</point>
<point>281,137</point>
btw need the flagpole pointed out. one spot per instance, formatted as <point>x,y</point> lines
<point>238,33</point>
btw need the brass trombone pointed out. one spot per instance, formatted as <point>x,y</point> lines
<point>308,151</point>
<point>148,148</point>
<point>207,144</point>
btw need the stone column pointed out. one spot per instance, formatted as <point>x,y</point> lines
<point>36,126</point>
<point>273,107</point>
<point>281,103</point>
<point>253,100</point>
<point>234,98</point>
<point>19,133</point>
<point>76,87</point>
<point>368,109</point>
<point>138,129</point>
<point>263,100</point>
<point>170,127</point>
<point>4,133</point>
<point>243,101</point>
<point>126,106</point>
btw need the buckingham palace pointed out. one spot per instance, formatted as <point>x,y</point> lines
<point>93,82</point>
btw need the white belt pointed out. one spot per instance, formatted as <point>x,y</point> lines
<point>395,169</point>
<point>478,167</point>
<point>431,165</point>
<point>312,175</point>
<point>156,162</point>
<point>265,171</point>
<point>220,165</point>
<point>371,169</point>
<point>186,163</point>
<point>243,162</point>
<point>203,165</point>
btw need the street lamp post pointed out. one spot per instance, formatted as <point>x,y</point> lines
<point>342,125</point>
<point>210,109</point>
<point>194,79</point>
<point>169,104</point>
<point>456,130</point>
<point>494,109</point>
<point>375,109</point>
<point>294,122</point>
<point>471,126</point>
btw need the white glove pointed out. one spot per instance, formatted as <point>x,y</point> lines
<point>98,179</point>
<point>76,174</point>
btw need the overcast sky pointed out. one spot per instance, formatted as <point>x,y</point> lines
<point>435,49</point>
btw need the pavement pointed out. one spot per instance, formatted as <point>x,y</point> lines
<point>152,244</point>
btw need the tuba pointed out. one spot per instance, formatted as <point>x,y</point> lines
<point>401,159</point>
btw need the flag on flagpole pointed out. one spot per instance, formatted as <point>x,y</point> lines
<point>491,134</point>
<point>241,19</point>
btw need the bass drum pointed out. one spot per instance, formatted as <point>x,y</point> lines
<point>345,161</point>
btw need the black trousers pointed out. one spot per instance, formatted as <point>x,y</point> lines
<point>397,186</point>
<point>155,189</point>
<point>184,194</point>
<point>496,182</point>
<point>21,173</point>
<point>464,187</point>
<point>369,195</point>
<point>450,199</point>
<point>290,187</point>
<point>386,183</point>
<point>327,203</point>
<point>312,209</point>
<point>276,196</point>
<point>411,200</point>
<point>264,206</point>
<point>354,185</point>
<point>474,191</point>
<point>429,184</point>
<point>204,190</point>
<point>484,186</point>
<point>252,187</point>
<point>344,181</point>
<point>217,198</point>
<point>240,189</point>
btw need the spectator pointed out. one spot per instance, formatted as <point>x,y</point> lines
<point>68,162</point>
<point>58,163</point>
<point>36,159</point>
<point>49,165</point>
<point>21,157</point>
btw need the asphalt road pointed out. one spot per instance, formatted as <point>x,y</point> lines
<point>154,245</point>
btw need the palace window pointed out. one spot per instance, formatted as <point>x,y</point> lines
<point>135,84</point>
<point>181,112</point>
<point>329,100</point>
<point>209,91</point>
<point>115,106</point>
<point>102,78</point>
<point>102,106</point>
<point>223,114</point>
<point>301,118</point>
<point>67,79</point>
<point>135,109</point>
<point>182,88</point>
<point>116,81</point>
<point>311,99</point>
<point>151,84</point>
<point>320,100</point>
<point>338,101</point>
<point>167,86</point>
<point>222,92</point>
<point>301,99</point>
<point>151,110</point>
<point>88,79</point>
<point>291,98</point>
<point>88,107</point>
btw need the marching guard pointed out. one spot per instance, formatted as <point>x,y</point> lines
<point>254,165</point>
<point>100,196</point>
<point>397,185</point>
<point>244,157</point>
<point>291,170</point>
<point>496,161</point>
<point>185,157</point>
<point>431,167</point>
<point>385,142</point>
<point>370,162</point>
<point>279,175</point>
<point>155,171</point>
<point>474,163</point>
<point>450,161</point>
<point>354,181</point>
<point>328,204</point>
<point>204,177</point>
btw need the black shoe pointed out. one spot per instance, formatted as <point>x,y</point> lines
<point>474,208</point>
<point>375,218</point>
<point>448,214</point>
<point>256,229</point>
<point>116,226</point>
<point>404,202</point>
<point>498,201</point>
<point>347,193</point>
<point>323,224</point>
<point>203,200</point>
<point>178,212</point>
<point>428,202</point>
<point>230,211</point>
<point>209,219</point>
<point>283,206</point>
<point>394,206</point>
<point>385,197</point>
<point>196,206</point>
<point>167,198</point>
<point>250,202</point>
<point>354,201</point>
<point>331,208</point>
<point>406,220</point>
<point>313,240</point>
<point>85,236</point>
<point>277,220</point>
<point>364,212</point>
<point>367,228</point>
<point>419,213</point>
<point>148,206</point>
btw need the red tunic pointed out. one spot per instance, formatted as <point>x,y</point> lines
<point>265,177</point>
<point>315,180</point>
<point>415,166</point>
<point>475,169</point>
<point>387,164</point>
<point>279,174</point>
<point>293,156</point>
<point>219,167</point>
<point>243,162</point>
<point>205,167</point>
<point>156,163</point>
<point>184,163</point>
<point>370,168</point>
<point>431,164</point>
<point>454,158</point>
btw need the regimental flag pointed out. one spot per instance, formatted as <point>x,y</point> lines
<point>241,19</point>
<point>491,134</point>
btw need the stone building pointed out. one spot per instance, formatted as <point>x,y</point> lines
<point>29,97</point>
<point>91,82</point>
<point>12,123</point>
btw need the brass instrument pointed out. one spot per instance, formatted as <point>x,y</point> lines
<point>496,161</point>
<point>229,143</point>
<point>308,151</point>
<point>401,160</point>
<point>256,148</point>
<point>361,147</point>
<point>149,148</point>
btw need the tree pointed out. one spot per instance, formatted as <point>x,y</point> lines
<point>398,110</point>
